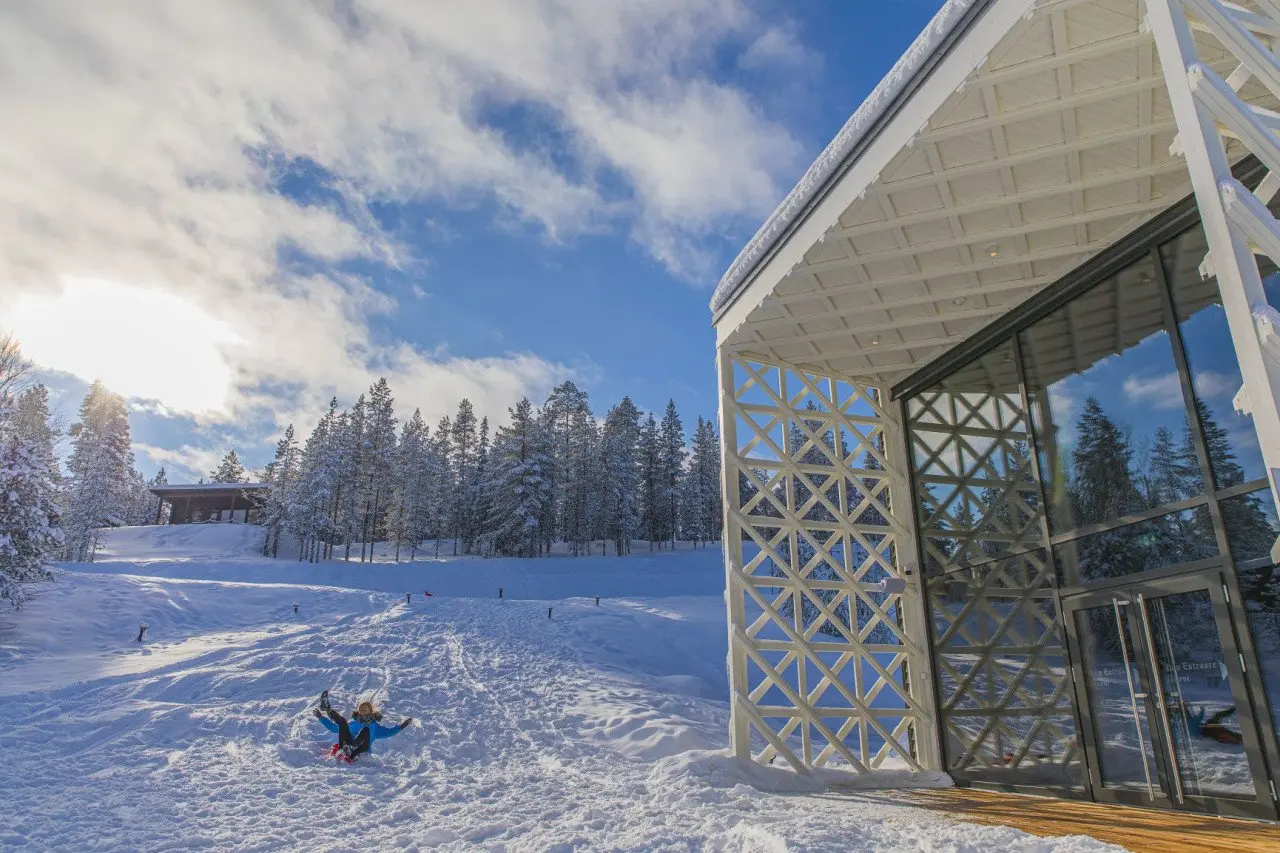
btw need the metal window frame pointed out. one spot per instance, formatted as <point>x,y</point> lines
<point>1142,244</point>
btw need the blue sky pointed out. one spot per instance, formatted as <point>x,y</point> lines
<point>477,199</point>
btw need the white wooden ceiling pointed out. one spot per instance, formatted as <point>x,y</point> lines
<point>1056,146</point>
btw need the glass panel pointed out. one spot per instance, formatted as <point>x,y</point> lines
<point>1251,528</point>
<point>1002,675</point>
<point>1207,743</point>
<point>1230,438</point>
<point>1113,680</point>
<point>1109,414</point>
<point>977,497</point>
<point>1167,540</point>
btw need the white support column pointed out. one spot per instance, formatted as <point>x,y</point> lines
<point>914,603</point>
<point>1200,101</point>
<point>731,541</point>
<point>828,656</point>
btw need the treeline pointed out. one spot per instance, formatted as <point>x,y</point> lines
<point>550,474</point>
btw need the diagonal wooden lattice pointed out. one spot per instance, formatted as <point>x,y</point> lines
<point>973,475</point>
<point>828,662</point>
<point>1001,670</point>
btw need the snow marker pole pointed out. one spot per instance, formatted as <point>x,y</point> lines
<point>407,597</point>
<point>295,607</point>
<point>597,601</point>
<point>142,629</point>
<point>499,592</point>
<point>548,612</point>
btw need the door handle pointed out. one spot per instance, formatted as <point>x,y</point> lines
<point>1159,688</point>
<point>1116,604</point>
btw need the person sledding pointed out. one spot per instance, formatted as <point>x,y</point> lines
<point>355,735</point>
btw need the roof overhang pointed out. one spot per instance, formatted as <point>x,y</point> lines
<point>1032,137</point>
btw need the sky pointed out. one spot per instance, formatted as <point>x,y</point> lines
<point>231,212</point>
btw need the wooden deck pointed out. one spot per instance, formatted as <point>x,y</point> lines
<point>1139,830</point>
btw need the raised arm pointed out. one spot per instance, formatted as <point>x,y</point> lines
<point>326,722</point>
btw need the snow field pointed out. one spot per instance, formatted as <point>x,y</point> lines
<point>602,728</point>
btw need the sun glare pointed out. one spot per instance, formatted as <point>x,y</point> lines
<point>140,342</point>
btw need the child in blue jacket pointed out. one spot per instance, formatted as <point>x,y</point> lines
<point>356,735</point>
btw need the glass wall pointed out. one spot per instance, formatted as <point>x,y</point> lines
<point>1093,447</point>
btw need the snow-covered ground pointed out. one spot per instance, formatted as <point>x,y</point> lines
<point>601,728</point>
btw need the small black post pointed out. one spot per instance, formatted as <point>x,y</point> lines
<point>548,612</point>
<point>499,592</point>
<point>142,630</point>
<point>597,601</point>
<point>295,607</point>
<point>407,597</point>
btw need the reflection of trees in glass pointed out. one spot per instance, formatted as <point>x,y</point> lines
<point>1102,487</point>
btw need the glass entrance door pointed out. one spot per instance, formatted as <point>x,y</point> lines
<point>1167,722</point>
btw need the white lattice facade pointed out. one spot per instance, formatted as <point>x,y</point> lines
<point>828,662</point>
<point>1000,408</point>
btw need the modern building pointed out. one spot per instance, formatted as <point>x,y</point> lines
<point>998,396</point>
<point>204,503</point>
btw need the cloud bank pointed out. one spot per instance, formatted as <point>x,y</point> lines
<point>149,147</point>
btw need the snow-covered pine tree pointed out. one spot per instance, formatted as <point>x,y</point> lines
<point>310,513</point>
<point>158,515</point>
<point>520,491</point>
<point>702,509</point>
<point>379,448</point>
<point>280,474</point>
<point>100,468</point>
<point>562,418</point>
<point>29,531</point>
<point>406,509</point>
<point>351,507</point>
<point>482,538</point>
<point>651,503</point>
<point>229,470</point>
<point>581,513</point>
<point>465,456</point>
<point>670,472</point>
<point>442,485</point>
<point>34,425</point>
<point>620,472</point>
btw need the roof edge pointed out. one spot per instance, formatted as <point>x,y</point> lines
<point>894,89</point>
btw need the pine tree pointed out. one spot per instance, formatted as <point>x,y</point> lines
<point>311,512</point>
<point>379,448</point>
<point>281,472</point>
<point>229,470</point>
<point>580,514</point>
<point>702,510</point>
<point>353,463</point>
<point>100,468</point>
<point>406,510</point>
<point>156,512</point>
<point>651,497</point>
<point>670,472</point>
<point>34,425</point>
<point>441,498</point>
<point>620,470</point>
<point>465,456</point>
<point>1102,489</point>
<point>521,492</point>
<point>29,531</point>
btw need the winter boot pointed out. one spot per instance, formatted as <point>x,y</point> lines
<point>347,754</point>
<point>324,705</point>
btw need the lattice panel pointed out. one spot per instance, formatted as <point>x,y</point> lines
<point>971,455</point>
<point>828,663</point>
<point>1002,675</point>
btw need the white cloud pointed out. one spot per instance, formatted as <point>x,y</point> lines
<point>194,462</point>
<point>1210,384</point>
<point>145,143</point>
<point>1162,391</point>
<point>777,46</point>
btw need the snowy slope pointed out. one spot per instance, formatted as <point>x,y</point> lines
<point>601,728</point>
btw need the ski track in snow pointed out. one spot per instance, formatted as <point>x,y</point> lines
<point>587,731</point>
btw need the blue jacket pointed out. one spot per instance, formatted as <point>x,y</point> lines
<point>377,730</point>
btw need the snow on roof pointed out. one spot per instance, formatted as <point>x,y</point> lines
<point>210,487</point>
<point>819,175</point>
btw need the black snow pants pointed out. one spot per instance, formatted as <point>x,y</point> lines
<point>359,743</point>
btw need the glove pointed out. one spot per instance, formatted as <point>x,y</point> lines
<point>404,724</point>
<point>316,711</point>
